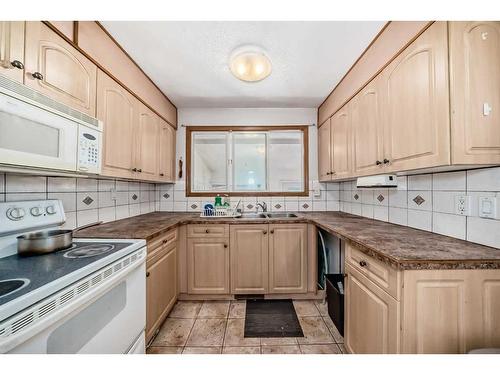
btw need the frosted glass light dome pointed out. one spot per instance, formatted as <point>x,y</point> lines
<point>250,65</point>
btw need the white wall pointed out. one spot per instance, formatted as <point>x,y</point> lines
<point>249,116</point>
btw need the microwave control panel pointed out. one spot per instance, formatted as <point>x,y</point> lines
<point>89,150</point>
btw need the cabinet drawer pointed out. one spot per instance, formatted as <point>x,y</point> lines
<point>378,272</point>
<point>207,230</point>
<point>158,244</point>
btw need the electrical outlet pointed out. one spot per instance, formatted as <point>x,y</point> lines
<point>488,207</point>
<point>462,205</point>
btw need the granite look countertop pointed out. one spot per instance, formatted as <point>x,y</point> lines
<point>400,247</point>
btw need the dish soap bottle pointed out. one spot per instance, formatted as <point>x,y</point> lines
<point>218,201</point>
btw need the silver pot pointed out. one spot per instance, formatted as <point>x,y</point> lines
<point>48,241</point>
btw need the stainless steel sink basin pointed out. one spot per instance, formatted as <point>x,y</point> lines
<point>280,215</point>
<point>252,216</point>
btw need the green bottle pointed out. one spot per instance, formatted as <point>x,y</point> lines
<point>218,201</point>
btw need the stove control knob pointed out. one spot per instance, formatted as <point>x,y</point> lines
<point>15,213</point>
<point>51,210</point>
<point>36,211</point>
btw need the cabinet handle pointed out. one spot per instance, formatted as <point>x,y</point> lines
<point>225,245</point>
<point>207,231</point>
<point>164,241</point>
<point>378,162</point>
<point>17,64</point>
<point>161,174</point>
<point>386,161</point>
<point>147,274</point>
<point>264,232</point>
<point>362,263</point>
<point>272,231</point>
<point>134,169</point>
<point>139,170</point>
<point>328,173</point>
<point>37,75</point>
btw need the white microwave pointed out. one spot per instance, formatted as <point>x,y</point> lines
<point>38,132</point>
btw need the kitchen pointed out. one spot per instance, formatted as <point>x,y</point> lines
<point>160,199</point>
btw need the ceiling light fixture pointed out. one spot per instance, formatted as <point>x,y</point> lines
<point>250,64</point>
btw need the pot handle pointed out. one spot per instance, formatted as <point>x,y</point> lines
<point>87,226</point>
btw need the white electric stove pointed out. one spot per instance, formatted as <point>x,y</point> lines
<point>89,298</point>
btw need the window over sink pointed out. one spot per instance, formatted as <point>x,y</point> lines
<point>247,160</point>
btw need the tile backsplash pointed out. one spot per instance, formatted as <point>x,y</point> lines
<point>85,200</point>
<point>427,202</point>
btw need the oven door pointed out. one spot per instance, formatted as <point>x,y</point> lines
<point>34,137</point>
<point>111,322</point>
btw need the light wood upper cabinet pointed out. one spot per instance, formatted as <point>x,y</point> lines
<point>249,258</point>
<point>67,28</point>
<point>340,131</point>
<point>208,265</point>
<point>288,258</point>
<point>367,128</point>
<point>116,108</point>
<point>147,143</point>
<point>475,92</point>
<point>161,290</point>
<point>12,49</point>
<point>372,317</point>
<point>417,132</point>
<point>324,152</point>
<point>57,69</point>
<point>166,152</point>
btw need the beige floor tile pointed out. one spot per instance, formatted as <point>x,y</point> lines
<point>174,332</point>
<point>315,331</point>
<point>342,348</point>
<point>322,307</point>
<point>214,309</point>
<point>333,330</point>
<point>202,350</point>
<point>305,308</point>
<point>185,309</point>
<point>320,349</point>
<point>241,350</point>
<point>278,341</point>
<point>207,332</point>
<point>237,309</point>
<point>235,334</point>
<point>164,350</point>
<point>282,349</point>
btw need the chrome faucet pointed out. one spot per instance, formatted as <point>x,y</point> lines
<point>263,205</point>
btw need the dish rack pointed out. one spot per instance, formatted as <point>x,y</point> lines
<point>219,212</point>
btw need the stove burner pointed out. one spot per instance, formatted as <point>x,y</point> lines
<point>12,285</point>
<point>88,251</point>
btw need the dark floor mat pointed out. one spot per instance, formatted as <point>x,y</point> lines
<point>271,318</point>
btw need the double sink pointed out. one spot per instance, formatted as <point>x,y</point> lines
<point>267,215</point>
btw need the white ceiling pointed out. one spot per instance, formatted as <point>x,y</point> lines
<point>188,60</point>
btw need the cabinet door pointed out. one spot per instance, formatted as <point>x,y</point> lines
<point>208,266</point>
<point>475,92</point>
<point>324,152</point>
<point>64,74</point>
<point>249,259</point>
<point>166,152</point>
<point>288,258</point>
<point>161,291</point>
<point>371,317</point>
<point>341,143</point>
<point>367,130</point>
<point>416,106</point>
<point>116,109</point>
<point>12,49</point>
<point>147,143</point>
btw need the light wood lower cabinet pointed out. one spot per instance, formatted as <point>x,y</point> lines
<point>12,49</point>
<point>431,311</point>
<point>287,258</point>
<point>58,70</point>
<point>208,265</point>
<point>371,317</point>
<point>161,281</point>
<point>249,258</point>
